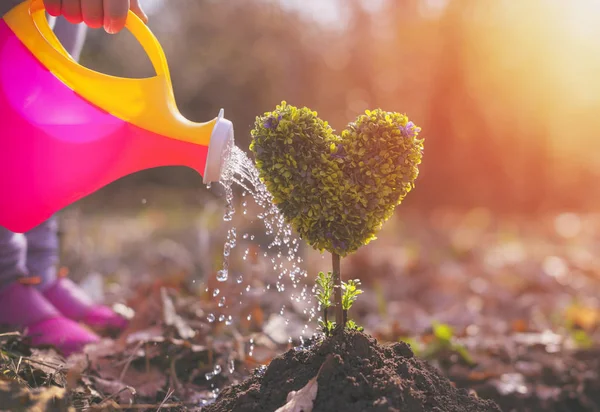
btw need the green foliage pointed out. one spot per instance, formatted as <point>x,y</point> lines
<point>324,289</point>
<point>323,295</point>
<point>443,332</point>
<point>582,339</point>
<point>350,293</point>
<point>336,191</point>
<point>445,341</point>
<point>327,326</point>
<point>351,325</point>
<point>325,292</point>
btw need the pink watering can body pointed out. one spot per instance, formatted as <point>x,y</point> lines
<point>67,131</point>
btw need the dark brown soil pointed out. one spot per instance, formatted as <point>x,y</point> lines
<point>361,376</point>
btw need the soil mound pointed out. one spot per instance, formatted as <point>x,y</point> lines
<point>359,376</point>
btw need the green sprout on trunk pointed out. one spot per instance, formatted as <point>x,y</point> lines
<point>324,292</point>
<point>351,292</point>
<point>325,288</point>
<point>336,190</point>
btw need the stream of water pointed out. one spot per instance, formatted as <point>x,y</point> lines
<point>282,249</point>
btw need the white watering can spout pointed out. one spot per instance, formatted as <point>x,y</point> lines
<point>219,149</point>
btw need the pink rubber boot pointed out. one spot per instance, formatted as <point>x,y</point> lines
<point>24,306</point>
<point>75,304</point>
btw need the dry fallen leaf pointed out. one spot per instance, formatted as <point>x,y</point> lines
<point>171,317</point>
<point>302,400</point>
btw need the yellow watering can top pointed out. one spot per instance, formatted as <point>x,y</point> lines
<point>147,103</point>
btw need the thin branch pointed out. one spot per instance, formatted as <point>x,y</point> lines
<point>337,292</point>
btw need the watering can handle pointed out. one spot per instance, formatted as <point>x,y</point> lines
<point>134,24</point>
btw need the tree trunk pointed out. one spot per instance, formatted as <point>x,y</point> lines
<point>337,293</point>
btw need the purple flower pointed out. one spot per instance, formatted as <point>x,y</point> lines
<point>339,244</point>
<point>410,130</point>
<point>272,122</point>
<point>340,152</point>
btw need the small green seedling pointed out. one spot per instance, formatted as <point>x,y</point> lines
<point>444,340</point>
<point>576,322</point>
<point>336,190</point>
<point>324,293</point>
<point>351,292</point>
<point>351,325</point>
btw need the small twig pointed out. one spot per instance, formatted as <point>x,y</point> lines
<point>56,367</point>
<point>170,393</point>
<point>143,406</point>
<point>10,334</point>
<point>173,371</point>
<point>33,375</point>
<point>111,397</point>
<point>129,360</point>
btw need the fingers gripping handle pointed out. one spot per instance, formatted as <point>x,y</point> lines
<point>134,24</point>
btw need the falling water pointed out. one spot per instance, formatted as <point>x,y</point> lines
<point>283,247</point>
<point>240,171</point>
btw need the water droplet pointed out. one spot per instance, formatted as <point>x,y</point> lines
<point>222,302</point>
<point>216,292</point>
<point>221,318</point>
<point>231,366</point>
<point>239,170</point>
<point>239,279</point>
<point>210,318</point>
<point>222,275</point>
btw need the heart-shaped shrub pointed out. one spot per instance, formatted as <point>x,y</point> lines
<point>336,191</point>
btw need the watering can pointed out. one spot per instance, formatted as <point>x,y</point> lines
<point>67,131</point>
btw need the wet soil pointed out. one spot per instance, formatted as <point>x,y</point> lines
<point>360,375</point>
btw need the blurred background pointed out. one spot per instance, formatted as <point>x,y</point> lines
<point>507,95</point>
<point>506,92</point>
<point>500,236</point>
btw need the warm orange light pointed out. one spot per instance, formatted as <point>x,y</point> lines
<point>541,59</point>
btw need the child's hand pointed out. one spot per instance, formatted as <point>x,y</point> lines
<point>110,14</point>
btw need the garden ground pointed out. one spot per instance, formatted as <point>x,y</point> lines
<point>505,307</point>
